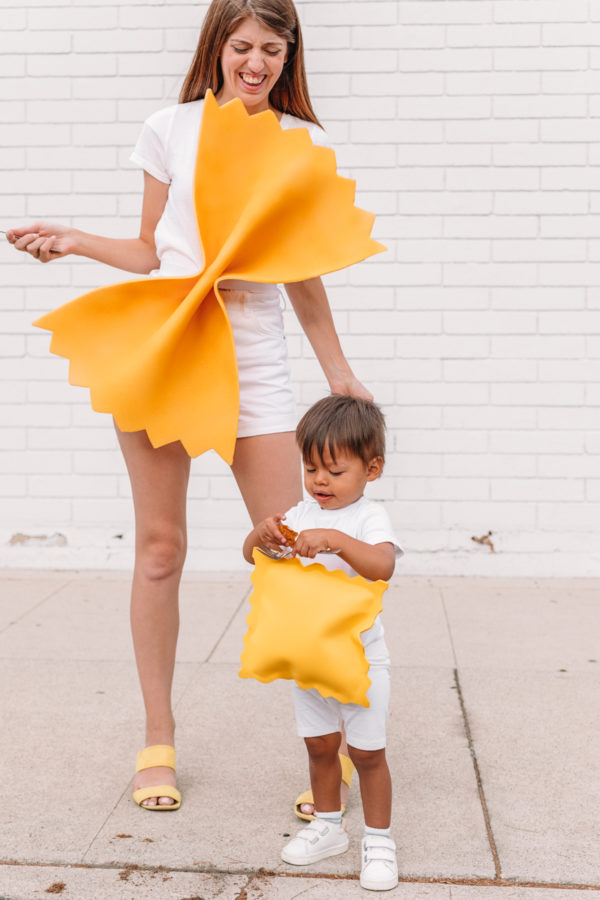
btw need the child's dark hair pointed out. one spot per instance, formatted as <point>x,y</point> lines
<point>342,423</point>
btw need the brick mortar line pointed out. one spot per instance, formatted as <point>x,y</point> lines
<point>484,808</point>
<point>254,874</point>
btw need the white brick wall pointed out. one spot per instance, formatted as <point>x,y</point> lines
<point>472,129</point>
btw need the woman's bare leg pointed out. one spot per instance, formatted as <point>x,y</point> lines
<point>159,479</point>
<point>268,472</point>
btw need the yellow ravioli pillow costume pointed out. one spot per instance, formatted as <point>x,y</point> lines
<point>305,625</point>
<point>158,353</point>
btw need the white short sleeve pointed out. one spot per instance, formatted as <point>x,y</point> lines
<point>317,135</point>
<point>375,527</point>
<point>150,152</point>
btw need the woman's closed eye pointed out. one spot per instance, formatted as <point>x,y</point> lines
<point>242,50</point>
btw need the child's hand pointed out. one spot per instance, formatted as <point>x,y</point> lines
<point>268,534</point>
<point>313,541</point>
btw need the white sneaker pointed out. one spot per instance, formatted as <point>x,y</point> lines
<point>379,871</point>
<point>318,840</point>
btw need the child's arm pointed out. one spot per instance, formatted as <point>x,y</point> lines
<point>373,561</point>
<point>266,534</point>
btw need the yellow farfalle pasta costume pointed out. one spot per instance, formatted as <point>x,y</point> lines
<point>305,625</point>
<point>158,353</point>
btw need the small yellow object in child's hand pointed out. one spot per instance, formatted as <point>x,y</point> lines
<point>289,534</point>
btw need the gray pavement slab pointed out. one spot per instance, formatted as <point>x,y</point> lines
<point>536,736</point>
<point>415,624</point>
<point>557,627</point>
<point>55,732</point>
<point>21,595</point>
<point>89,619</point>
<point>72,725</point>
<point>68,749</point>
<point>69,883</point>
<point>237,795</point>
<point>307,888</point>
<point>510,892</point>
<point>129,883</point>
<point>238,755</point>
<point>439,825</point>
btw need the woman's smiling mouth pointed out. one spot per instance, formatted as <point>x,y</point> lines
<point>252,80</point>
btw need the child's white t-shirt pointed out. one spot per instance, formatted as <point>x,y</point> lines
<point>166,149</point>
<point>364,520</point>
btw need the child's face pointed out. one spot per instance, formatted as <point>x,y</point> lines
<point>335,484</point>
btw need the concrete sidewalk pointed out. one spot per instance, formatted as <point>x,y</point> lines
<point>494,746</point>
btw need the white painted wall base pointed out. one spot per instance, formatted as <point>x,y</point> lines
<point>103,550</point>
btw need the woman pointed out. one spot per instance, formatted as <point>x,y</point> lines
<point>251,50</point>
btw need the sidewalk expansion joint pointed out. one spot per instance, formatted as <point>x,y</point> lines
<point>482,800</point>
<point>229,623</point>
<point>256,874</point>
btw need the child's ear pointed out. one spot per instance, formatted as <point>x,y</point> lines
<point>374,468</point>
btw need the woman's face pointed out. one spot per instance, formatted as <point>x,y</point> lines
<point>252,60</point>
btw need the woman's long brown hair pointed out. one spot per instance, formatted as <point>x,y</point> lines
<point>290,93</point>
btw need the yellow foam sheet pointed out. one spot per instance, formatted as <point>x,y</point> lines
<point>158,353</point>
<point>305,625</point>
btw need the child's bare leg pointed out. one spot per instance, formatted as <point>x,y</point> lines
<point>309,808</point>
<point>379,868</point>
<point>375,786</point>
<point>326,836</point>
<point>325,771</point>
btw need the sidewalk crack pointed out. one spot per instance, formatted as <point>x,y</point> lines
<point>243,894</point>
<point>37,605</point>
<point>229,623</point>
<point>478,779</point>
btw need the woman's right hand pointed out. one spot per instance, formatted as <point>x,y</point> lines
<point>43,240</point>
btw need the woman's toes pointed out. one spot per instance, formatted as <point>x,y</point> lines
<point>166,801</point>
<point>307,808</point>
<point>151,801</point>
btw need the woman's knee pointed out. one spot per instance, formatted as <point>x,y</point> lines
<point>161,553</point>
<point>323,747</point>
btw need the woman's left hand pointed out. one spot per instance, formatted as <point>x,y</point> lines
<point>348,383</point>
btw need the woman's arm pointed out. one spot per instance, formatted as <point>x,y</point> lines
<point>314,314</point>
<point>47,241</point>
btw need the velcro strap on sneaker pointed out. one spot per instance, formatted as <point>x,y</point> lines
<point>377,847</point>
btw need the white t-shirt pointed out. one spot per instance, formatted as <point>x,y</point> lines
<point>166,149</point>
<point>364,520</point>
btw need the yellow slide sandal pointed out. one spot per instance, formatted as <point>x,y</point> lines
<point>307,796</point>
<point>157,755</point>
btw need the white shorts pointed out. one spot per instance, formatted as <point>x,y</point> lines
<point>267,403</point>
<point>365,726</point>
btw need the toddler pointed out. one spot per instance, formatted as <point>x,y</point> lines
<point>342,441</point>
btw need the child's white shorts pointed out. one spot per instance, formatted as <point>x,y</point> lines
<point>365,726</point>
<point>267,404</point>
